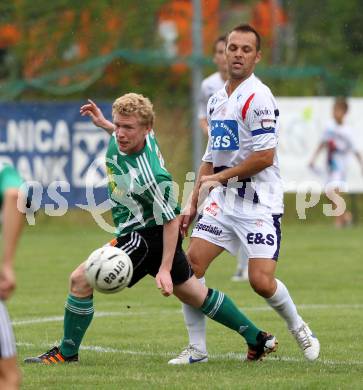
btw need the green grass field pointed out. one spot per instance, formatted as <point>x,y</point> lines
<point>135,332</point>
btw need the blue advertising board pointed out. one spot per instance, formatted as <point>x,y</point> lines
<point>58,152</point>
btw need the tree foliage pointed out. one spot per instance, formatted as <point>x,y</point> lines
<point>329,34</point>
<point>323,52</point>
<point>60,33</point>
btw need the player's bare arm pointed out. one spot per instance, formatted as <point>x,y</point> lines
<point>321,146</point>
<point>170,238</point>
<point>11,234</point>
<point>253,164</point>
<point>95,113</point>
<point>190,210</point>
<point>203,123</point>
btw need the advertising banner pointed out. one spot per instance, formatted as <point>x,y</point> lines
<point>55,150</point>
<point>302,122</point>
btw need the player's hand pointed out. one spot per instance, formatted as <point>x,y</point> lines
<point>209,182</point>
<point>7,282</point>
<point>94,112</point>
<point>164,282</point>
<point>186,218</point>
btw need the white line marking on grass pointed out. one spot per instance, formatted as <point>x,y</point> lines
<point>42,320</point>
<point>218,356</point>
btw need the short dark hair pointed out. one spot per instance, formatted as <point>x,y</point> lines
<point>341,101</point>
<point>221,38</point>
<point>245,28</point>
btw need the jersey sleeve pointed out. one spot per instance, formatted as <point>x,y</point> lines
<point>203,102</point>
<point>261,118</point>
<point>165,204</point>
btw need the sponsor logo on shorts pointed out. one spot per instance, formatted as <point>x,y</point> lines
<point>208,228</point>
<point>259,238</point>
<point>212,208</point>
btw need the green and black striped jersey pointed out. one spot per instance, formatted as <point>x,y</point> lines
<point>140,187</point>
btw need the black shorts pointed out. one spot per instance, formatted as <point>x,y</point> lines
<point>145,248</point>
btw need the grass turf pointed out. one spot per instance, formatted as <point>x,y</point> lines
<point>135,332</point>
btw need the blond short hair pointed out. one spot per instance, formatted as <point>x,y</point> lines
<point>135,104</point>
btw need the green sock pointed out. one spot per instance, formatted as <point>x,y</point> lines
<point>78,315</point>
<point>219,307</point>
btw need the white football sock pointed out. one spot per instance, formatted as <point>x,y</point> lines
<point>282,303</point>
<point>196,325</point>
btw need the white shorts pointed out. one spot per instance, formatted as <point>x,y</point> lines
<point>258,233</point>
<point>7,341</point>
<point>337,180</point>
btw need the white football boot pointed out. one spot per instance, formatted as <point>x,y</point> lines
<point>190,355</point>
<point>307,341</point>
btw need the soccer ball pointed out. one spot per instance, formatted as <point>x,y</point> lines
<point>109,269</point>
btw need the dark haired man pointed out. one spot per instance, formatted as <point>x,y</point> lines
<point>246,204</point>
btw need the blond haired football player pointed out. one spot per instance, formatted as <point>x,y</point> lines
<point>147,228</point>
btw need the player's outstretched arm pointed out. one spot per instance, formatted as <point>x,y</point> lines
<point>12,227</point>
<point>316,154</point>
<point>94,112</point>
<point>203,124</point>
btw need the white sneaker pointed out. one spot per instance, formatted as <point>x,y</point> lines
<point>240,276</point>
<point>190,355</point>
<point>307,341</point>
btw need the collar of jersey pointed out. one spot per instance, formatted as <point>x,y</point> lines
<point>244,82</point>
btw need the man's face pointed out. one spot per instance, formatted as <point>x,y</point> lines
<point>130,134</point>
<point>242,55</point>
<point>338,113</point>
<point>219,57</point>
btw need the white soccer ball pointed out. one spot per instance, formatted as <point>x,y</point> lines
<point>108,269</point>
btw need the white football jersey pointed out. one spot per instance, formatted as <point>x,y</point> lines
<point>340,143</point>
<point>243,123</point>
<point>210,85</point>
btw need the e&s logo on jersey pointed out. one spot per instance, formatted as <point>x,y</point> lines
<point>224,135</point>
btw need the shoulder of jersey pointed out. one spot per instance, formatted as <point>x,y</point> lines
<point>216,97</point>
<point>257,87</point>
